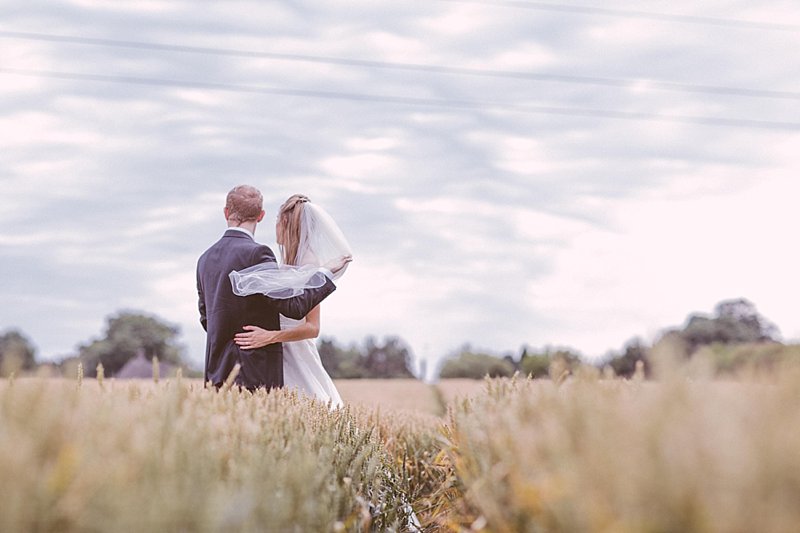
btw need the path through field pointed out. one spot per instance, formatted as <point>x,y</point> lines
<point>406,394</point>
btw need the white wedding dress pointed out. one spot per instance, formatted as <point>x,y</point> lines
<point>303,370</point>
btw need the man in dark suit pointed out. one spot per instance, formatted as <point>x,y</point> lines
<point>223,314</point>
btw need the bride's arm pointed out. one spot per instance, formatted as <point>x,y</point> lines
<point>258,337</point>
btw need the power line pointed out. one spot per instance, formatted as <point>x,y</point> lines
<point>627,13</point>
<point>436,69</point>
<point>412,101</point>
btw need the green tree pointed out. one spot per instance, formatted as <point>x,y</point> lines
<point>475,365</point>
<point>735,321</point>
<point>624,365</point>
<point>339,362</point>
<point>16,353</point>
<point>744,312</point>
<point>537,365</point>
<point>390,358</point>
<point>126,334</point>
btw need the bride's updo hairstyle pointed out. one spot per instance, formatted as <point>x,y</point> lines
<point>290,218</point>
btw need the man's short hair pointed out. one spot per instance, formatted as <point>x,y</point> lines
<point>244,203</point>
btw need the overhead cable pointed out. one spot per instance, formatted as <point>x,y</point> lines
<point>630,83</point>
<point>413,101</point>
<point>630,13</point>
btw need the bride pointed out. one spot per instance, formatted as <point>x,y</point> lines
<point>308,238</point>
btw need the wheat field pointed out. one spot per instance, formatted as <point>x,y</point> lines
<point>587,453</point>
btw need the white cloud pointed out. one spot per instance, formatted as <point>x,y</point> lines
<point>376,144</point>
<point>669,256</point>
<point>368,167</point>
<point>25,129</point>
<point>499,228</point>
<point>146,6</point>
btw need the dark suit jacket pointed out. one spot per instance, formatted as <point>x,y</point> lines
<point>223,314</point>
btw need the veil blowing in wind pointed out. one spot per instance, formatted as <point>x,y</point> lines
<point>321,241</point>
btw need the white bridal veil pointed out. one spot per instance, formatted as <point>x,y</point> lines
<point>321,241</point>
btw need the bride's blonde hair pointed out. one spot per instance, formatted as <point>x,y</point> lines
<point>289,219</point>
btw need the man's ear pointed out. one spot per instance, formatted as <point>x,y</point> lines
<point>225,212</point>
<point>261,216</point>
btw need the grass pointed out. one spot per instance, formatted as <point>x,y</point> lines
<point>591,455</point>
<point>685,453</point>
<point>176,457</point>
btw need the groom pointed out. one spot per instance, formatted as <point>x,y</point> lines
<point>224,314</point>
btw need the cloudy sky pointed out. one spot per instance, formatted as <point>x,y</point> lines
<point>567,173</point>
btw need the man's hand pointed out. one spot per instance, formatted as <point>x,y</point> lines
<point>338,264</point>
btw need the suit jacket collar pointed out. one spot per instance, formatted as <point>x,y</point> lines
<point>238,233</point>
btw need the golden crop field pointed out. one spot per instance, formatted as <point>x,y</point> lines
<point>586,454</point>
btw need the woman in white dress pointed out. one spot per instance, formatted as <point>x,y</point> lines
<point>308,238</point>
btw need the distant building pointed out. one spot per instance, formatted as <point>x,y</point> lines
<point>140,367</point>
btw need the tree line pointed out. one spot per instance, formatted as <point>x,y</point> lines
<point>735,337</point>
<point>129,335</point>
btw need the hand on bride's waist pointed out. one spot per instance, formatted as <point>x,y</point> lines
<point>256,337</point>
